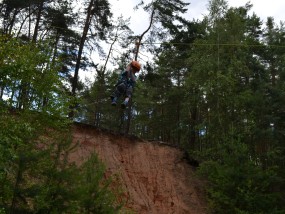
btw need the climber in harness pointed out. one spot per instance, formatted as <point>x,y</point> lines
<point>126,84</point>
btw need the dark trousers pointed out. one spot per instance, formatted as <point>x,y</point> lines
<point>122,89</point>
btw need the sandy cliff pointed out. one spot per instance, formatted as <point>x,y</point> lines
<point>155,176</point>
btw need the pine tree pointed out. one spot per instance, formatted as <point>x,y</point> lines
<point>36,175</point>
<point>99,12</point>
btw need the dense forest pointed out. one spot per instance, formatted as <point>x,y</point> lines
<point>213,87</point>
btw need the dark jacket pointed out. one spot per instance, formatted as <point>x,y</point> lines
<point>129,78</point>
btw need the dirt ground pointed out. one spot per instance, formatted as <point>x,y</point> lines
<point>154,176</point>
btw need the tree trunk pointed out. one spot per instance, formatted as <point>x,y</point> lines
<point>36,30</point>
<point>193,131</point>
<point>129,113</point>
<point>22,24</point>
<point>79,56</point>
<point>1,91</point>
<point>13,21</point>
<point>81,46</point>
<point>16,187</point>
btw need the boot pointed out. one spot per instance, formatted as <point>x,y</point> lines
<point>114,101</point>
<point>125,103</point>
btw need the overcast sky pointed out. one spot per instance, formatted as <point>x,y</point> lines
<point>197,9</point>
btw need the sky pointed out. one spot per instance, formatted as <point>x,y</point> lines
<point>197,9</point>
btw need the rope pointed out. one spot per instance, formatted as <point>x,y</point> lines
<point>193,44</point>
<point>214,44</point>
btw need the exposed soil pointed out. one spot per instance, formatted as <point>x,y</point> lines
<point>155,177</point>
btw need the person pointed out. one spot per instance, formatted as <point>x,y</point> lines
<point>126,84</point>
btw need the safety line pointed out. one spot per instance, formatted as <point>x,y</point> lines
<point>189,44</point>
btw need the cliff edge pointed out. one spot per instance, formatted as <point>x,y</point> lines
<point>155,177</point>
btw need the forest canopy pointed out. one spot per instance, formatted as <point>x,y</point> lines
<point>213,87</point>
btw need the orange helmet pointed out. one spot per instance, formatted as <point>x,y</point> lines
<point>136,65</point>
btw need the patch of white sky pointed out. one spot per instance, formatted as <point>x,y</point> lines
<point>197,10</point>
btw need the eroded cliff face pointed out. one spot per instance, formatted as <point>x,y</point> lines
<point>155,177</point>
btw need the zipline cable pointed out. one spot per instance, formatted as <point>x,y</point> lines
<point>190,44</point>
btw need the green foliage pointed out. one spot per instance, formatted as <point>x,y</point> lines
<point>28,79</point>
<point>93,191</point>
<point>237,182</point>
<point>36,176</point>
<point>234,93</point>
<point>216,89</point>
<point>95,106</point>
